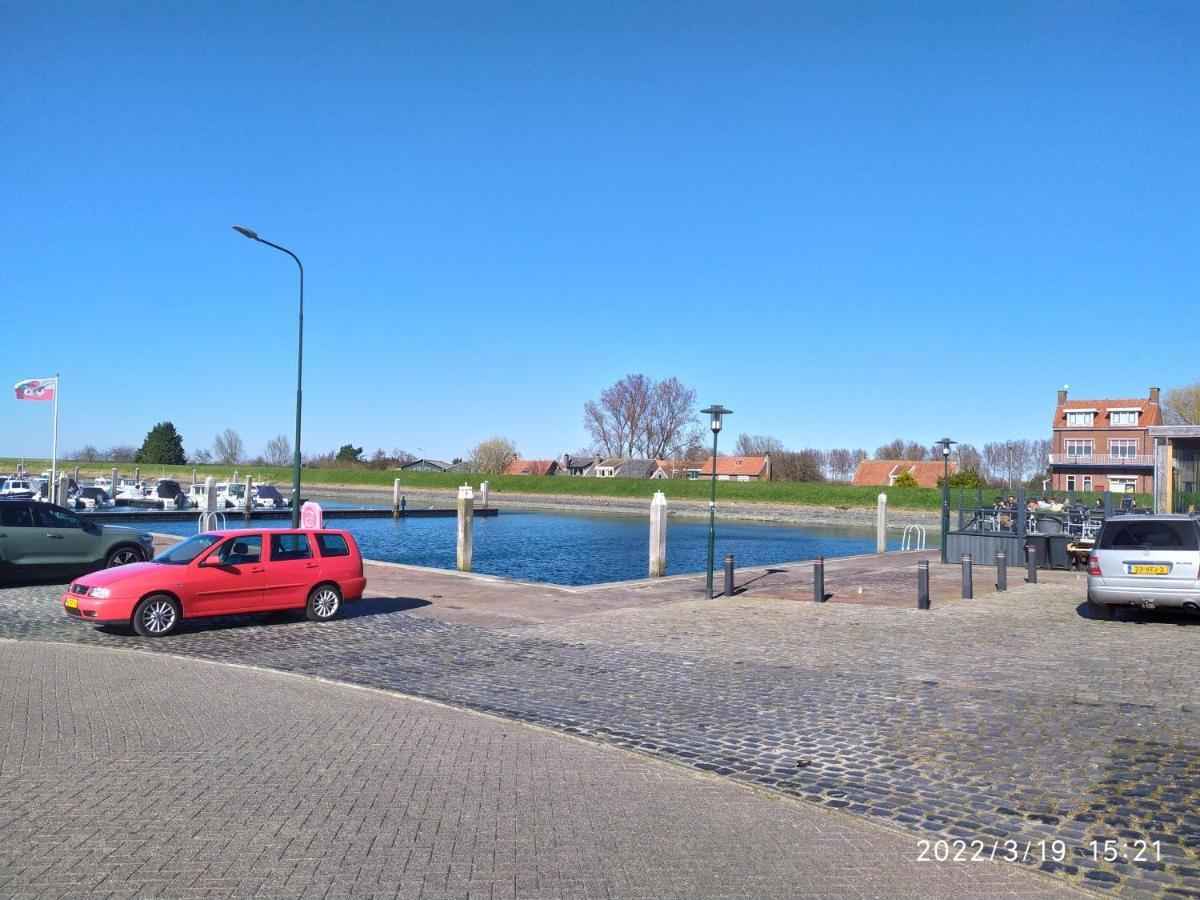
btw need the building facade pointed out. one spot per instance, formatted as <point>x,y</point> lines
<point>1104,445</point>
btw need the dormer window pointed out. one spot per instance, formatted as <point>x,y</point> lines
<point>1124,416</point>
<point>1081,417</point>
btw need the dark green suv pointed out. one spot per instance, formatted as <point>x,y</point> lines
<point>41,539</point>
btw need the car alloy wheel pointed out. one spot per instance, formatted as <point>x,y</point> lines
<point>123,557</point>
<point>156,616</point>
<point>324,603</point>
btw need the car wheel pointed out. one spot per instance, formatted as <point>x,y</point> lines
<point>122,556</point>
<point>1101,610</point>
<point>324,603</point>
<point>156,616</point>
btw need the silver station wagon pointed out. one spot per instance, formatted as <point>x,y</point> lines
<point>1146,561</point>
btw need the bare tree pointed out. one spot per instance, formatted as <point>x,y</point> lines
<point>201,457</point>
<point>401,457</point>
<point>228,447</point>
<point>969,459</point>
<point>87,453</point>
<point>493,455</point>
<point>1009,461</point>
<point>638,416</point>
<point>891,450</point>
<point>841,464</point>
<point>757,445</point>
<point>278,451</point>
<point>121,453</point>
<point>797,465</point>
<point>1181,405</point>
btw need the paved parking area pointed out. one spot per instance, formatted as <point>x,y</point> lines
<point>1012,717</point>
<point>137,775</point>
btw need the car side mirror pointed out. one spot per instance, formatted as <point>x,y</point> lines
<point>210,562</point>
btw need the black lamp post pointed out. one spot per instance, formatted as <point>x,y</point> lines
<point>715,412</point>
<point>945,443</point>
<point>299,374</point>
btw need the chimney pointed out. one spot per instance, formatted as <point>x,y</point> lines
<point>1062,396</point>
<point>1153,395</point>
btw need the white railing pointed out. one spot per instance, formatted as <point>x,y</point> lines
<point>913,538</point>
<point>1100,459</point>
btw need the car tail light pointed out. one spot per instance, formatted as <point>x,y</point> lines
<point>1094,565</point>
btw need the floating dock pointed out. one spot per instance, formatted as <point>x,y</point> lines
<point>129,514</point>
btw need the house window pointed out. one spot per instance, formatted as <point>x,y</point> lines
<point>1124,417</point>
<point>1120,484</point>
<point>1081,418</point>
<point>1079,448</point>
<point>1087,482</point>
<point>1125,448</point>
<point>1070,482</point>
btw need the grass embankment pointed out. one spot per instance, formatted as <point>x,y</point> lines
<point>842,496</point>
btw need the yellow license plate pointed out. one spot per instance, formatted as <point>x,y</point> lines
<point>72,603</point>
<point>1149,570</point>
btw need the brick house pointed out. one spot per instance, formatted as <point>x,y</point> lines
<point>1104,445</point>
<point>732,468</point>
<point>883,472</point>
<point>532,467</point>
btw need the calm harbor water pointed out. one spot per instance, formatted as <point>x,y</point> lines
<point>577,549</point>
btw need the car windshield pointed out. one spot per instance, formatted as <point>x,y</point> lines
<point>184,553</point>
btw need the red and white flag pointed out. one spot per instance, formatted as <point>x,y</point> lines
<point>37,389</point>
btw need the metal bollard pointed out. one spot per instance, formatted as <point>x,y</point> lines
<point>819,579</point>
<point>1031,563</point>
<point>967,583</point>
<point>923,584</point>
<point>728,574</point>
<point>1002,571</point>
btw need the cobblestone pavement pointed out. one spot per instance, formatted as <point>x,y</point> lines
<point>1010,717</point>
<point>135,775</point>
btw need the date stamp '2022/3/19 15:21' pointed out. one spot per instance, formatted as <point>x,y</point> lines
<point>959,850</point>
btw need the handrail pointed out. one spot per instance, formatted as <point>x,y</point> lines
<point>213,520</point>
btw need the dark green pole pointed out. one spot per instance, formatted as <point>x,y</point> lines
<point>712,523</point>
<point>299,374</point>
<point>945,499</point>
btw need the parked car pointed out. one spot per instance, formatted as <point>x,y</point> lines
<point>220,573</point>
<point>1146,561</point>
<point>40,539</point>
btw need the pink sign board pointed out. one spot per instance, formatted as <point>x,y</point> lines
<point>311,515</point>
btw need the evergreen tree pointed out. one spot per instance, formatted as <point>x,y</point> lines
<point>163,446</point>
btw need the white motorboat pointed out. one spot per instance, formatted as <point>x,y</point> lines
<point>92,498</point>
<point>17,489</point>
<point>267,496</point>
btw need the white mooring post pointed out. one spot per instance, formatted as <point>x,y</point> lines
<point>77,476</point>
<point>61,489</point>
<point>210,493</point>
<point>112,490</point>
<point>466,515</point>
<point>658,535</point>
<point>483,494</point>
<point>881,525</point>
<point>249,497</point>
<point>396,499</point>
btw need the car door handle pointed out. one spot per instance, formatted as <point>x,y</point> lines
<point>57,537</point>
<point>257,569</point>
<point>310,565</point>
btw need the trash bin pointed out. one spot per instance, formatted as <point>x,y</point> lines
<point>1058,556</point>
<point>1039,541</point>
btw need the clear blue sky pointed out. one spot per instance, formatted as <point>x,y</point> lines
<point>846,221</point>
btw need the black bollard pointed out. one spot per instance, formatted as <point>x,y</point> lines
<point>1031,563</point>
<point>1002,571</point>
<point>819,579</point>
<point>728,574</point>
<point>923,584</point>
<point>967,584</point>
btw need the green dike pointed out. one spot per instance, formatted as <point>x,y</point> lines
<point>784,492</point>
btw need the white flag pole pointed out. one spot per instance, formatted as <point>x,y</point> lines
<point>54,445</point>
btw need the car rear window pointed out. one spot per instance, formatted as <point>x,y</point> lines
<point>290,546</point>
<point>15,515</point>
<point>1150,536</point>
<point>333,545</point>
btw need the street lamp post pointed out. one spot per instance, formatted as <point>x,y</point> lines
<point>945,443</point>
<point>716,412</point>
<point>299,374</point>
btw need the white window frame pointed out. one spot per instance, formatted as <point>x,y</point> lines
<point>1123,479</point>
<point>1087,482</point>
<point>1078,443</point>
<point>1123,444</point>
<point>1127,417</point>
<point>1081,418</point>
<point>1070,482</point>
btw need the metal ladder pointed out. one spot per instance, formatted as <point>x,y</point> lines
<point>914,537</point>
<point>213,520</point>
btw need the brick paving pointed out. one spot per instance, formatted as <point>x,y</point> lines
<point>138,775</point>
<point>1010,717</point>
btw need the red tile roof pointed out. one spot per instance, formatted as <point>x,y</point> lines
<point>531,467</point>
<point>733,466</point>
<point>880,472</point>
<point>1151,413</point>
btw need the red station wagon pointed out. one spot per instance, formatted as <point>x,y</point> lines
<point>221,573</point>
